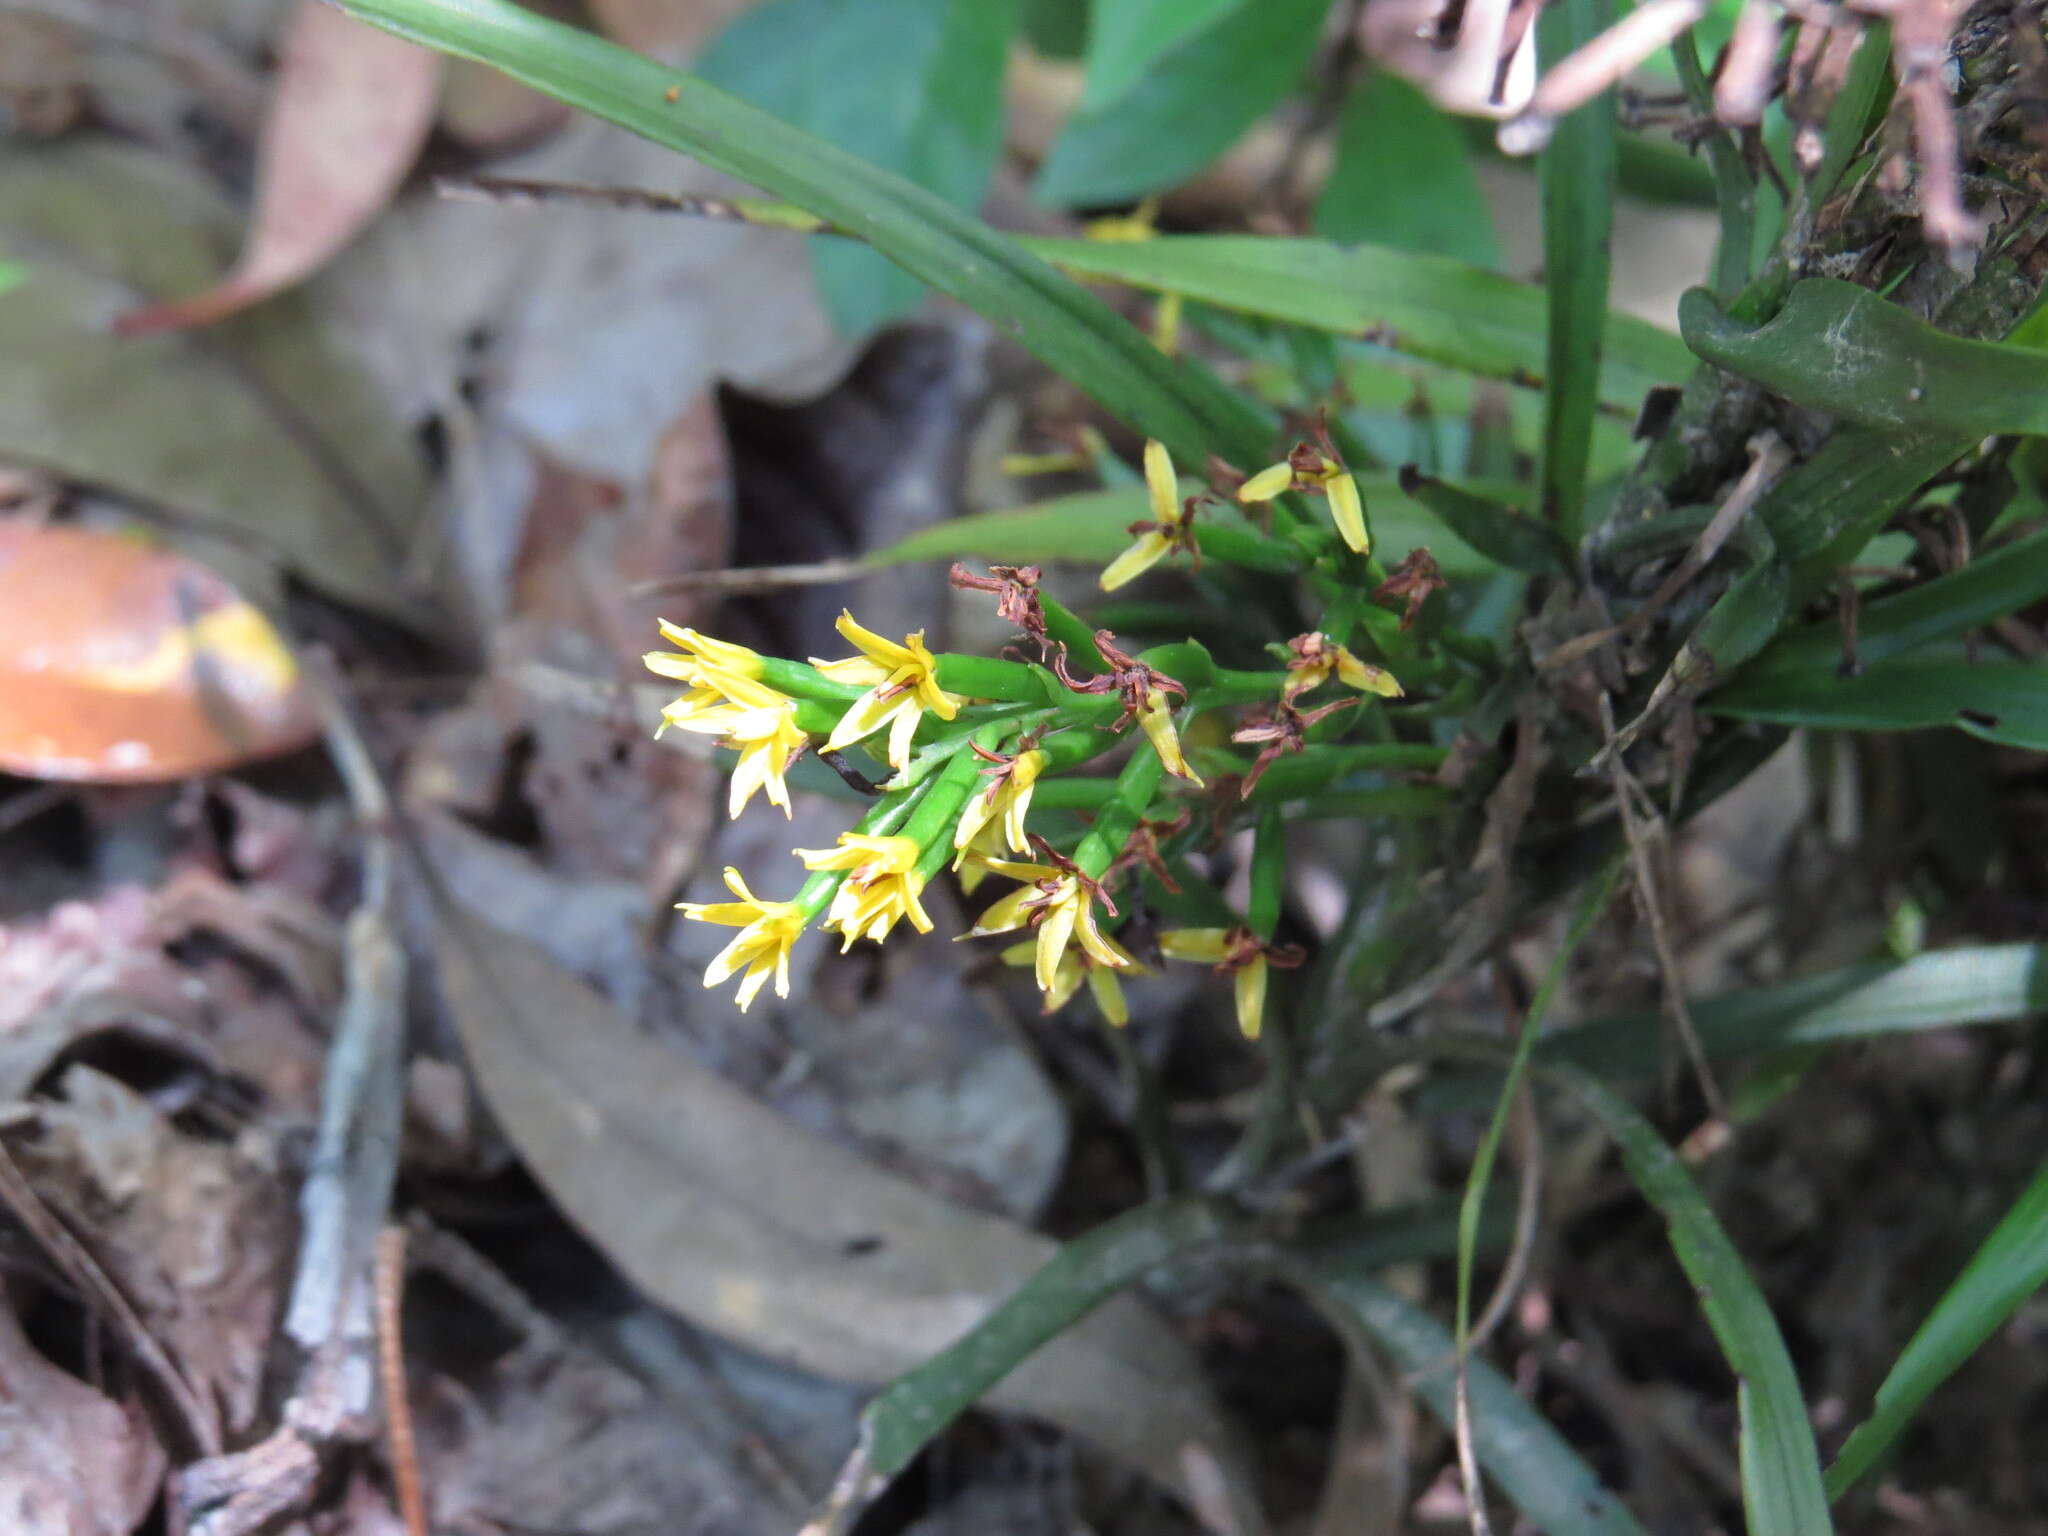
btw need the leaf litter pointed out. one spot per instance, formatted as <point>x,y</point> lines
<point>450,446</point>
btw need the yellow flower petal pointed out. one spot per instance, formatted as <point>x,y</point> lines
<point>1251,996</point>
<point>1109,995</point>
<point>1207,945</point>
<point>1162,484</point>
<point>1348,512</point>
<point>1365,677</point>
<point>1147,552</point>
<point>1267,483</point>
<point>1156,718</point>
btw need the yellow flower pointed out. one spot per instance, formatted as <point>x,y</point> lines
<point>1168,530</point>
<point>1316,657</point>
<point>1074,968</point>
<point>1309,468</point>
<point>700,653</point>
<point>727,700</point>
<point>1003,804</point>
<point>882,885</point>
<point>902,684</point>
<point>767,930</point>
<point>1156,718</point>
<point>1060,904</point>
<point>1231,949</point>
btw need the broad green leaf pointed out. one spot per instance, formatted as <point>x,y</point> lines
<point>2011,1265</point>
<point>1839,348</point>
<point>912,86</point>
<point>1069,330</point>
<point>1823,511</point>
<point>1502,534</point>
<point>2001,701</point>
<point>1992,585</point>
<point>1092,528</point>
<point>1190,107</point>
<point>1403,178</point>
<point>1577,173</point>
<point>1781,1482</point>
<point>1432,307</point>
<point>1125,37</point>
<point>1516,1446</point>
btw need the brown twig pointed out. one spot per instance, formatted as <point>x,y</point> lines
<point>398,1432</point>
<point>1642,826</point>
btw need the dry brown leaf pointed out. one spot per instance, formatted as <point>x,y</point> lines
<point>123,663</point>
<point>349,111</point>
<point>72,1461</point>
<point>747,1225</point>
<point>195,1233</point>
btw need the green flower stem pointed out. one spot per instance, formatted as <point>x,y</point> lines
<point>1121,814</point>
<point>1246,549</point>
<point>800,680</point>
<point>990,677</point>
<point>1317,766</point>
<point>1075,794</point>
<point>1063,627</point>
<point>817,719</point>
<point>1269,874</point>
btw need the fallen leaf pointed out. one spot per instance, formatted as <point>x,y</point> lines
<point>195,1233</point>
<point>125,663</point>
<point>73,1462</point>
<point>259,433</point>
<point>670,30</point>
<point>746,1225</point>
<point>351,106</point>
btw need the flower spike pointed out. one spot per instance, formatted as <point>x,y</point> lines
<point>761,949</point>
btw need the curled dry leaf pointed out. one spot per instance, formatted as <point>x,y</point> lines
<point>351,107</point>
<point>123,663</point>
<point>750,1226</point>
<point>72,1461</point>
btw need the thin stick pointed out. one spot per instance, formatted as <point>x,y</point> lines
<point>748,579</point>
<point>398,1432</point>
<point>1640,825</point>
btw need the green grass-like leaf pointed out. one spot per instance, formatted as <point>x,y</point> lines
<point>1781,1479</point>
<point>1515,1446</point>
<point>1431,307</point>
<point>1577,173</point>
<point>1085,1273</point>
<point>1068,329</point>
<point>1126,37</point>
<point>2010,1266</point>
